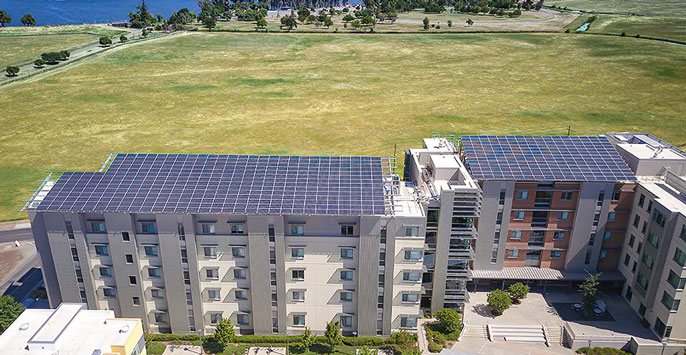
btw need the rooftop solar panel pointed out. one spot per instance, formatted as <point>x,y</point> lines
<point>544,158</point>
<point>224,184</point>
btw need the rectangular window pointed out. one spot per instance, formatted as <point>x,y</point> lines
<point>591,239</point>
<point>408,322</point>
<point>411,231</point>
<point>637,220</point>
<point>347,229</point>
<point>136,301</point>
<point>566,195</point>
<point>518,215</point>
<point>494,256</point>
<point>160,317</point>
<point>603,253</point>
<point>151,250</point>
<point>208,228</point>
<point>298,274</point>
<point>412,276</point>
<point>611,216</point>
<point>410,297</point>
<point>674,280</point>
<point>154,272</point>
<point>413,255</point>
<point>105,271</point>
<point>109,292</point>
<point>628,295</point>
<point>241,294</point>
<point>554,254</point>
<point>298,253</point>
<point>132,280</point>
<point>607,235</point>
<point>299,295</point>
<point>125,236</point>
<point>79,276</point>
<point>587,260</point>
<point>70,229</point>
<point>502,197</point>
<point>615,194</point>
<point>238,252</point>
<point>648,260</point>
<point>346,296</point>
<point>149,227</point>
<point>346,275</point>
<point>74,254</point>
<point>632,240</point>
<point>638,248</point>
<point>347,253</point>
<point>522,194</point>
<point>272,233</point>
<point>627,260</point>
<point>679,257</point>
<point>102,250</point>
<point>346,321</point>
<point>213,295</point>
<point>513,253</point>
<point>299,319</point>
<point>562,216</point>
<point>683,232</point>
<point>215,318</point>
<point>669,302</point>
<point>633,268</point>
<point>97,226</point>
<point>516,234</point>
<point>210,252</point>
<point>558,235</point>
<point>156,293</point>
<point>238,228</point>
<point>181,230</point>
<point>242,319</point>
<point>496,237</point>
<point>212,274</point>
<point>641,200</point>
<point>297,229</point>
<point>129,258</point>
<point>650,206</point>
<point>642,281</point>
<point>240,274</point>
<point>659,218</point>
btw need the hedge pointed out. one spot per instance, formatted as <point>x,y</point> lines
<point>601,351</point>
<point>280,339</point>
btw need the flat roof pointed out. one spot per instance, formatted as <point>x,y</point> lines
<point>224,184</point>
<point>544,158</point>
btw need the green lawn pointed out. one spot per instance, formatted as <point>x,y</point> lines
<point>332,94</point>
<point>669,8</point>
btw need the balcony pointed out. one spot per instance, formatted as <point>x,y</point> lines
<point>461,251</point>
<point>456,295</point>
<point>459,274</point>
<point>542,202</point>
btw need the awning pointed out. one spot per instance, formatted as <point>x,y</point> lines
<point>535,273</point>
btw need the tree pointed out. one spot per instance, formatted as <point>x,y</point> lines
<point>4,18</point>
<point>450,23</point>
<point>105,41</point>
<point>224,333</point>
<point>448,320</point>
<point>182,17</point>
<point>289,22</point>
<point>367,351</point>
<point>328,22</point>
<point>64,54</point>
<point>368,21</point>
<point>51,57</point>
<point>307,339</point>
<point>261,23</point>
<point>123,39</point>
<point>39,63</point>
<point>591,294</point>
<point>12,70</point>
<point>469,22</point>
<point>303,14</point>
<point>518,291</point>
<point>426,23</point>
<point>28,20</point>
<point>210,22</point>
<point>499,301</point>
<point>333,334</point>
<point>142,18</point>
<point>357,24</point>
<point>9,308</point>
<point>347,18</point>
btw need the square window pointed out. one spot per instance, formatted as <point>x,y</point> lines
<point>136,301</point>
<point>125,236</point>
<point>129,258</point>
<point>151,250</point>
<point>242,319</point>
<point>298,274</point>
<point>213,295</point>
<point>109,292</point>
<point>102,250</point>
<point>210,252</point>
<point>105,271</point>
<point>215,318</point>
<point>346,321</point>
<point>238,228</point>
<point>346,296</point>
<point>240,274</point>
<point>299,319</point>
<point>411,231</point>
<point>298,253</point>
<point>241,294</point>
<point>346,275</point>
<point>562,216</point>
<point>238,252</point>
<point>347,253</point>
<point>208,228</point>
<point>513,253</point>
<point>299,295</point>
<point>149,227</point>
<point>518,215</point>
<point>522,194</point>
<point>132,280</point>
<point>155,272</point>
<point>297,229</point>
<point>347,230</point>
<point>212,274</point>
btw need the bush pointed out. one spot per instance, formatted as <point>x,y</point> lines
<point>105,41</point>
<point>12,70</point>
<point>518,291</point>
<point>402,338</point>
<point>154,348</point>
<point>435,348</point>
<point>601,351</point>
<point>39,63</point>
<point>499,301</point>
<point>363,341</point>
<point>449,320</point>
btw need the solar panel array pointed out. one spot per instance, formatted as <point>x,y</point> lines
<point>544,158</point>
<point>224,184</point>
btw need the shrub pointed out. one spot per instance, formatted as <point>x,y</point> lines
<point>224,334</point>
<point>154,348</point>
<point>601,351</point>
<point>105,41</point>
<point>623,34</point>
<point>435,348</point>
<point>449,321</point>
<point>39,63</point>
<point>499,301</point>
<point>518,291</point>
<point>12,70</point>
<point>402,338</point>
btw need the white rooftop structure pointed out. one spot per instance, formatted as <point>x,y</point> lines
<point>71,329</point>
<point>648,155</point>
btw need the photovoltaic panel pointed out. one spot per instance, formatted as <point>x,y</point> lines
<point>224,184</point>
<point>544,158</point>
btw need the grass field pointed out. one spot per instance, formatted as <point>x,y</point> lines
<point>23,44</point>
<point>332,94</point>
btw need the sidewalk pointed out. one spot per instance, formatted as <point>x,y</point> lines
<point>21,224</point>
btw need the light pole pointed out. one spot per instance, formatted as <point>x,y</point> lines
<point>355,336</point>
<point>287,343</point>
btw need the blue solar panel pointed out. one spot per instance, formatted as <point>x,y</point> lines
<point>224,184</point>
<point>544,158</point>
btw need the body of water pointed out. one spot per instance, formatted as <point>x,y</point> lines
<point>70,12</point>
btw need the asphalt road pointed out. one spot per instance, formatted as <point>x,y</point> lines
<point>8,236</point>
<point>23,287</point>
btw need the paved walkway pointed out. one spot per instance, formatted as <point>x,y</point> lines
<point>183,350</point>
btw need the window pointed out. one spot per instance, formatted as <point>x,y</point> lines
<point>413,255</point>
<point>149,227</point>
<point>516,234</point>
<point>271,231</point>
<point>160,317</point>
<point>643,229</point>
<point>97,226</point>
<point>105,271</point>
<point>297,229</point>
<point>238,252</point>
<point>213,295</point>
<point>215,318</point>
<point>208,228</point>
<point>242,319</point>
<point>566,195</point>
<point>607,235</point>
<point>587,260</point>
<point>408,322</point>
<point>611,216</point>
<point>412,276</point>
<point>212,274</point>
<point>109,292</point>
<point>154,272</point>
<point>494,256</point>
<point>410,297</point>
<point>298,253</point>
<point>638,248</point>
<point>189,298</point>
<point>346,275</point>
<point>238,228</point>
<point>669,302</point>
<point>182,231</point>
<point>129,258</point>
<point>210,252</point>
<point>513,253</point>
<point>125,236</point>
<point>299,295</point>
<point>650,206</point>
<point>346,253</point>
<point>347,229</point>
<point>632,239</point>
<point>502,197</point>
<point>683,232</point>
<point>74,254</point>
<point>156,293</point>
<point>633,268</point>
<point>496,238</point>
<point>70,229</point>
<point>674,280</point>
<point>522,194</point>
<point>679,257</point>
<point>132,280</point>
<point>627,260</point>
<point>411,231</point>
<point>151,250</point>
<point>79,276</point>
<point>518,215</point>
<point>637,220</point>
<point>641,200</point>
<point>102,250</point>
<point>554,254</point>
<point>642,281</point>
<point>558,235</point>
<point>648,260</point>
<point>299,319</point>
<point>562,216</point>
<point>603,253</point>
<point>346,321</point>
<point>136,301</point>
<point>241,294</point>
<point>591,239</point>
<point>629,294</point>
<point>184,256</point>
<point>298,274</point>
<point>346,296</point>
<point>240,274</point>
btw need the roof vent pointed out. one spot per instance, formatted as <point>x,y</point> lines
<point>124,329</point>
<point>24,326</point>
<point>97,352</point>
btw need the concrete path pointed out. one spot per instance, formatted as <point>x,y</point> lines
<point>421,335</point>
<point>183,350</point>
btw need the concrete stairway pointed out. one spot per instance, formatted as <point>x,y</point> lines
<point>554,335</point>
<point>517,333</point>
<point>476,331</point>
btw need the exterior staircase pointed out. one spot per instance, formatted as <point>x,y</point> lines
<point>476,331</point>
<point>518,333</point>
<point>554,335</point>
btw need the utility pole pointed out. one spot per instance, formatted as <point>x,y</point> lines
<point>569,129</point>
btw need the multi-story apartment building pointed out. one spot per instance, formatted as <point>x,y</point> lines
<point>273,243</point>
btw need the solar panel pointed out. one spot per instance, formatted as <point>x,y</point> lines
<point>224,184</point>
<point>544,158</point>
